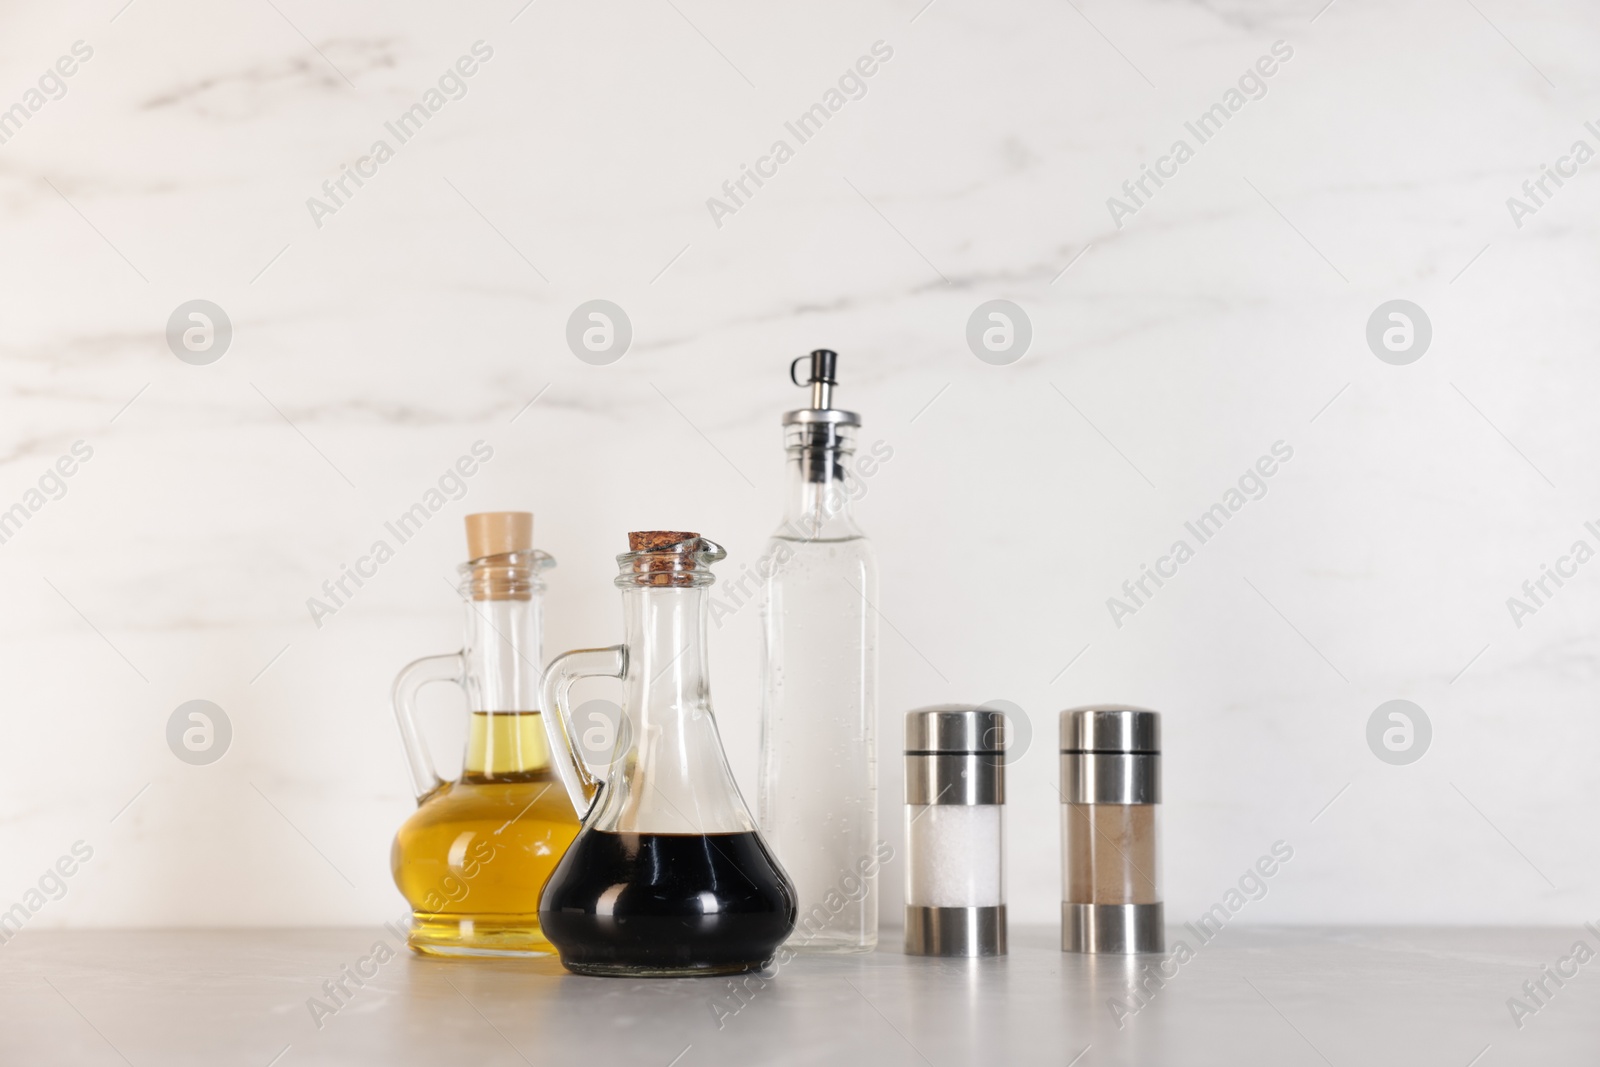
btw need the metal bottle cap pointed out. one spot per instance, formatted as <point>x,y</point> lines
<point>1110,754</point>
<point>1110,728</point>
<point>955,754</point>
<point>955,728</point>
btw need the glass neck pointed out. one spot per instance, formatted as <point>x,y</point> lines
<point>670,774</point>
<point>506,747</point>
<point>819,493</point>
<point>501,677</point>
<point>664,628</point>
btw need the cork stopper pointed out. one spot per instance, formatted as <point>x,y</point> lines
<point>495,533</point>
<point>668,557</point>
<point>657,540</point>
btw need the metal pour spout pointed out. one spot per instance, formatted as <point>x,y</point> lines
<point>822,379</point>
<point>820,431</point>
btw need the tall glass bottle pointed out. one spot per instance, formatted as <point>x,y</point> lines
<point>817,793</point>
<point>473,857</point>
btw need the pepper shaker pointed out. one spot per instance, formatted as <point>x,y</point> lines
<point>955,832</point>
<point>1110,840</point>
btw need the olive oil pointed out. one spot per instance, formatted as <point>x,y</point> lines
<point>474,857</point>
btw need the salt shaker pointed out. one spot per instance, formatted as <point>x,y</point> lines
<point>1111,796</point>
<point>955,832</point>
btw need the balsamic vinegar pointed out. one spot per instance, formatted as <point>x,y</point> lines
<point>666,904</point>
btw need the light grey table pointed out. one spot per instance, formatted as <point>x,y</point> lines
<point>1276,996</point>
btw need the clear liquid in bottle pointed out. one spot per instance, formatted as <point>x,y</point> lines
<point>817,796</point>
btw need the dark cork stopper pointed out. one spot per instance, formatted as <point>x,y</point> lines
<point>657,540</point>
<point>665,557</point>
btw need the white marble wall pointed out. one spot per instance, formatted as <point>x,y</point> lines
<point>1226,314</point>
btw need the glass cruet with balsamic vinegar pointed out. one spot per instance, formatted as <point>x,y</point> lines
<point>473,857</point>
<point>668,876</point>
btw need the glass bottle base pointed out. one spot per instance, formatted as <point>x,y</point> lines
<point>607,970</point>
<point>473,935</point>
<point>822,945</point>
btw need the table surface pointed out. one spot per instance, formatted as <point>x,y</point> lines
<point>1280,996</point>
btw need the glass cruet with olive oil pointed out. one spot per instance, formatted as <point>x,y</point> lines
<point>474,856</point>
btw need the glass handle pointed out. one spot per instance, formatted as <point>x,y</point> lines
<point>407,684</point>
<point>582,786</point>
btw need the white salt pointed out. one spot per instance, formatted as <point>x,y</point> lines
<point>957,855</point>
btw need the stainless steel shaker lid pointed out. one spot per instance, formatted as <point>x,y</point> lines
<point>1110,728</point>
<point>955,728</point>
